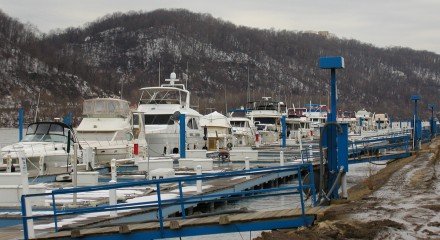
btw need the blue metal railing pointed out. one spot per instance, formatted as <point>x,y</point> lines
<point>375,144</point>
<point>182,200</point>
<point>426,135</point>
<point>310,153</point>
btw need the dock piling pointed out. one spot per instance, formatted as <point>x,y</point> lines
<point>281,158</point>
<point>199,182</point>
<point>247,166</point>
<point>28,224</point>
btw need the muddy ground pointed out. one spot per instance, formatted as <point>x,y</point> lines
<point>401,201</point>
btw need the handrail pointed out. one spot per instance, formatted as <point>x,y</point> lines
<point>159,204</point>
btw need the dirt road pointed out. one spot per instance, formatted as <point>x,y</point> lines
<point>401,201</point>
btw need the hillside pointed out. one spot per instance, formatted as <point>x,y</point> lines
<point>121,52</point>
<point>26,79</point>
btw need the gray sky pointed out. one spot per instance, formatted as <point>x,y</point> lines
<point>383,23</point>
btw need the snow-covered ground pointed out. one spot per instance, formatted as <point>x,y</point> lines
<point>411,197</point>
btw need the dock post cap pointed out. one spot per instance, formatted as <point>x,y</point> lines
<point>415,97</point>
<point>331,62</point>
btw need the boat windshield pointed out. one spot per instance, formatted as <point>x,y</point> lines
<point>238,123</point>
<point>164,96</point>
<point>46,132</point>
<point>159,119</point>
<point>266,120</point>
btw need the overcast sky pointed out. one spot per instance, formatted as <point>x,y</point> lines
<point>383,23</point>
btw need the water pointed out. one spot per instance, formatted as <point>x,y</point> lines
<point>8,136</point>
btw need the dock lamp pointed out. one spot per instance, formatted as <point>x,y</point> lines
<point>433,122</point>
<point>334,135</point>
<point>416,124</point>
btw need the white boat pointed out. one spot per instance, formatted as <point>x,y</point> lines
<point>266,116</point>
<point>298,126</point>
<point>381,121</point>
<point>317,115</point>
<point>44,145</point>
<point>106,127</point>
<point>218,130</point>
<point>350,119</point>
<point>366,118</point>
<point>162,107</point>
<point>244,131</point>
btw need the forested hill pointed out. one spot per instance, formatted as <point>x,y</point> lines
<point>221,62</point>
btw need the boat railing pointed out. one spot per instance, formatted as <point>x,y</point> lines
<point>182,200</point>
<point>102,142</point>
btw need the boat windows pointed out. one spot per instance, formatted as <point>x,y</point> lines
<point>56,129</point>
<point>163,96</point>
<point>192,124</point>
<point>237,123</point>
<point>265,120</point>
<point>105,107</point>
<point>46,132</point>
<point>159,119</point>
<point>135,119</point>
<point>261,127</point>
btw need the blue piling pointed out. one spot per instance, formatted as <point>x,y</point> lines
<point>182,136</point>
<point>20,124</point>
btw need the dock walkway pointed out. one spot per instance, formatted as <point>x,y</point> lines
<point>183,227</point>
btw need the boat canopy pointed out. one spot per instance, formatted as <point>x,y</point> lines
<point>106,107</point>
<point>47,132</point>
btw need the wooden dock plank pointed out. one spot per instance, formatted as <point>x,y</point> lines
<point>202,221</point>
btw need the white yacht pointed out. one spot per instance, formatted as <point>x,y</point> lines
<point>266,116</point>
<point>106,127</point>
<point>317,115</point>
<point>218,130</point>
<point>381,121</point>
<point>45,145</point>
<point>244,131</point>
<point>162,107</point>
<point>366,118</point>
<point>298,126</point>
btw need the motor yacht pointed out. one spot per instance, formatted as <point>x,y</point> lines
<point>106,126</point>
<point>162,107</point>
<point>45,145</point>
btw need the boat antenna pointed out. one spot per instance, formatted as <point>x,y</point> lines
<point>187,76</point>
<point>248,90</point>
<point>226,102</point>
<point>36,108</point>
<point>122,84</point>
<point>159,73</point>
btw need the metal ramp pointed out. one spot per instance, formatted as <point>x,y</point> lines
<point>230,186</point>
